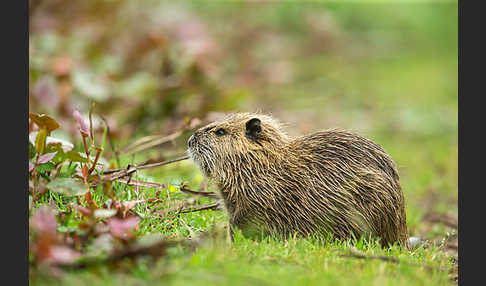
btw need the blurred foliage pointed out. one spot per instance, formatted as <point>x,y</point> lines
<point>140,64</point>
<point>147,63</point>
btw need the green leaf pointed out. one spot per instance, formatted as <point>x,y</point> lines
<point>76,157</point>
<point>71,156</point>
<point>42,168</point>
<point>62,153</point>
<point>68,187</point>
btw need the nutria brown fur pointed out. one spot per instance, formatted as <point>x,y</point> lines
<point>327,182</point>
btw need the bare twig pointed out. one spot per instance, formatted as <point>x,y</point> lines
<point>184,189</point>
<point>162,163</point>
<point>98,152</point>
<point>215,206</point>
<point>134,168</point>
<point>142,183</point>
<point>120,173</point>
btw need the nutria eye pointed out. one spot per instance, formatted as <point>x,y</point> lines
<point>220,132</point>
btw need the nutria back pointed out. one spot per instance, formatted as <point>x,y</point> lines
<point>329,182</point>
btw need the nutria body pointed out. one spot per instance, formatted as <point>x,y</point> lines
<point>327,182</point>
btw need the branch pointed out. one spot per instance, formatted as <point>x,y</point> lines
<point>180,210</point>
<point>184,189</point>
<point>215,206</point>
<point>131,169</point>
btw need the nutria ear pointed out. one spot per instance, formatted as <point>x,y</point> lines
<point>253,128</point>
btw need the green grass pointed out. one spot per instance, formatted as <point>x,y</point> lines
<point>273,262</point>
<point>269,261</point>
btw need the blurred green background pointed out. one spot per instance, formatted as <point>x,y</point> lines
<point>387,71</point>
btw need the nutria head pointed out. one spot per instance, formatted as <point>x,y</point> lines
<point>227,142</point>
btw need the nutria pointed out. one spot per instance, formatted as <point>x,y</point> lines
<point>328,182</point>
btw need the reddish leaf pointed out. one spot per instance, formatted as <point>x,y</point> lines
<point>44,221</point>
<point>83,210</point>
<point>128,205</point>
<point>81,124</point>
<point>46,157</point>
<point>121,228</point>
<point>62,255</point>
